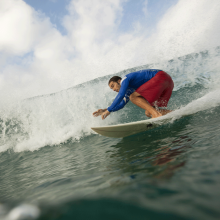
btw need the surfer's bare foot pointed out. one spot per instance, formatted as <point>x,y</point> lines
<point>154,114</point>
<point>164,111</point>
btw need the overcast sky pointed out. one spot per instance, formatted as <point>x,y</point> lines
<point>50,45</point>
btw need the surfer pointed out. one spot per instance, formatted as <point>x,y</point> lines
<point>149,89</point>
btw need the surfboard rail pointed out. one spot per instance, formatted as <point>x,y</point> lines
<point>128,129</point>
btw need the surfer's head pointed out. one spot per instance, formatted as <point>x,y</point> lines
<point>114,83</point>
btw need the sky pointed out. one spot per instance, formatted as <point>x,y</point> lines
<point>133,11</point>
<point>51,45</point>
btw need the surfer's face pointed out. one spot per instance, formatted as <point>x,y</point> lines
<point>115,86</point>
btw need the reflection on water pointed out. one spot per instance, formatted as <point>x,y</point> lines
<point>155,157</point>
<point>172,154</point>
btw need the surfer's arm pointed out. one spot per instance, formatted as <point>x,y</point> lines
<point>121,105</point>
<point>120,96</point>
<point>124,101</point>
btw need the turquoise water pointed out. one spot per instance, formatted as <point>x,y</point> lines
<point>54,167</point>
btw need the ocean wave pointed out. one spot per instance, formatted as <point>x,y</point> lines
<point>55,118</point>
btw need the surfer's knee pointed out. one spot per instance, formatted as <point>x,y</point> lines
<point>132,97</point>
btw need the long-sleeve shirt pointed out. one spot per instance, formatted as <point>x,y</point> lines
<point>129,84</point>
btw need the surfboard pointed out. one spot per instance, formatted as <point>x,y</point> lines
<point>124,130</point>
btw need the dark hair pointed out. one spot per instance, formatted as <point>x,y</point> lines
<point>114,79</point>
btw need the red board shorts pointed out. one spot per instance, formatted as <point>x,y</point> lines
<point>157,91</point>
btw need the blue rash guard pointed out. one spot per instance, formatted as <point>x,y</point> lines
<point>129,84</point>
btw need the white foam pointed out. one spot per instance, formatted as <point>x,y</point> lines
<point>24,211</point>
<point>53,119</point>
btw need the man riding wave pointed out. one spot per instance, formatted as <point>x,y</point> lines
<point>149,89</point>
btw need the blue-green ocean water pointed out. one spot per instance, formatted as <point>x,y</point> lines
<point>52,166</point>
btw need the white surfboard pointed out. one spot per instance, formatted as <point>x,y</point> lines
<point>124,130</point>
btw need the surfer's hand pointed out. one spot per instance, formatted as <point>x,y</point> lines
<point>105,114</point>
<point>98,112</point>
